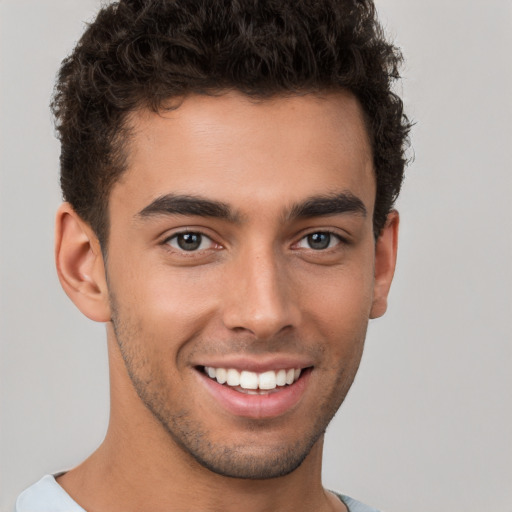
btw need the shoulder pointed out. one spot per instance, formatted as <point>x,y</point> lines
<point>46,496</point>
<point>354,505</point>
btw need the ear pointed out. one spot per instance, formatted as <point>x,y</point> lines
<point>80,265</point>
<point>385,261</point>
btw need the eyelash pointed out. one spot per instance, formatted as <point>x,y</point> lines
<point>330,233</point>
<point>200,234</point>
<point>203,236</point>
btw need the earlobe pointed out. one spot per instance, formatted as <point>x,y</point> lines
<point>80,265</point>
<point>385,261</point>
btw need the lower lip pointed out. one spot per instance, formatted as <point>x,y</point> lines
<point>271,405</point>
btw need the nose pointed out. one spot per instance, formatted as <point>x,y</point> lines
<point>261,299</point>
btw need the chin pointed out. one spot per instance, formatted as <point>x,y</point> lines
<point>244,462</point>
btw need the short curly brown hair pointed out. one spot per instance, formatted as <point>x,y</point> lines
<point>140,53</point>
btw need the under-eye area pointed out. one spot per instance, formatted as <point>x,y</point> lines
<point>255,383</point>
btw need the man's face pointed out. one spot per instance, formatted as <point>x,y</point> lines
<point>241,244</point>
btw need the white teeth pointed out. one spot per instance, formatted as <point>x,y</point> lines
<point>233,377</point>
<point>281,378</point>
<point>251,380</point>
<point>222,375</point>
<point>268,380</point>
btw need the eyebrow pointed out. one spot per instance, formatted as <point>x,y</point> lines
<point>171,204</point>
<point>324,205</point>
<point>315,206</point>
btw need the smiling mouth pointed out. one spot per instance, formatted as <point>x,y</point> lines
<point>253,383</point>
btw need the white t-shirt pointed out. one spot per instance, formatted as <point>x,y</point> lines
<point>48,496</point>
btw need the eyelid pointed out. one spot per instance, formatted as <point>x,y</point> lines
<point>341,238</point>
<point>190,230</point>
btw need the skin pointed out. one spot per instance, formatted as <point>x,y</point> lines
<point>255,289</point>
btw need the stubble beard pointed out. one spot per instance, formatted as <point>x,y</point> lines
<point>231,459</point>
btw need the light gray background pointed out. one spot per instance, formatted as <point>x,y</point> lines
<point>428,424</point>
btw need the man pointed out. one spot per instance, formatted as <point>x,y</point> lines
<point>229,171</point>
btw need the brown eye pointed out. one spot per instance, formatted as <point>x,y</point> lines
<point>190,241</point>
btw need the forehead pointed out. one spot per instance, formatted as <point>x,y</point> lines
<point>237,149</point>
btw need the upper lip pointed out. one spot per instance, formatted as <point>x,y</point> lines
<point>257,364</point>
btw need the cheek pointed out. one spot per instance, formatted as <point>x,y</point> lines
<point>340,299</point>
<point>168,304</point>
<point>338,313</point>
